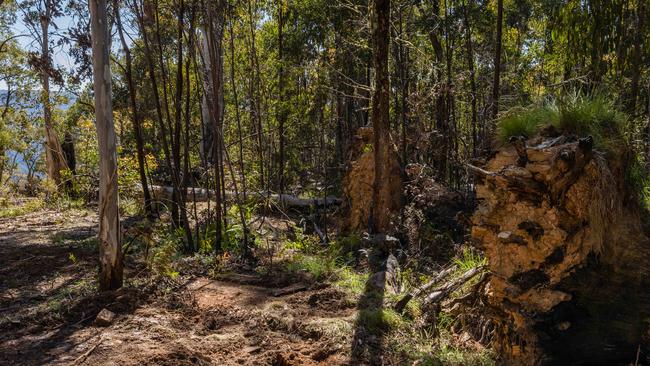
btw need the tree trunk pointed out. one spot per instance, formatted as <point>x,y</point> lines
<point>70,159</point>
<point>637,58</point>
<point>135,118</point>
<point>177,143</point>
<point>2,148</point>
<point>497,62</point>
<point>207,138</point>
<point>54,161</point>
<point>254,86</point>
<point>237,114</point>
<point>282,114</point>
<point>140,15</point>
<point>472,76</point>
<point>380,214</point>
<point>214,35</point>
<point>440,105</point>
<point>186,138</point>
<point>110,277</point>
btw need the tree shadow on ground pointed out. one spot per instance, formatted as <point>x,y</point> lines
<point>48,278</point>
<point>367,342</point>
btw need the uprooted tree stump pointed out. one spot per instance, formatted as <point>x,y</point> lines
<point>359,179</point>
<point>569,258</point>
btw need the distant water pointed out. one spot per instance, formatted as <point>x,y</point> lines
<point>32,106</point>
<point>31,103</point>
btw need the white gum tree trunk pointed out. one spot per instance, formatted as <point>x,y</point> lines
<point>110,276</point>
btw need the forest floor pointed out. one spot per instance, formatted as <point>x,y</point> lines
<point>48,263</point>
<point>234,316</point>
<point>47,260</point>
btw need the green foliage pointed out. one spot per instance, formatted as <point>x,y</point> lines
<point>130,206</point>
<point>417,344</point>
<point>575,114</point>
<point>348,246</point>
<point>351,281</point>
<point>164,253</point>
<point>232,235</point>
<point>206,239</point>
<point>450,355</point>
<point>444,321</point>
<point>638,182</point>
<point>526,121</point>
<point>302,242</point>
<point>377,321</point>
<point>470,259</point>
<point>9,209</point>
<point>595,116</point>
<point>64,202</point>
<point>318,267</point>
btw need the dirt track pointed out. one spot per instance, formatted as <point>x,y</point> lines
<point>48,304</point>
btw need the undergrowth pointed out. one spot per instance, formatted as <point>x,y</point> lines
<point>10,209</point>
<point>13,204</point>
<point>574,114</point>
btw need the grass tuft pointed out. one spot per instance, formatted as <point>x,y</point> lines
<point>574,114</point>
<point>352,282</point>
<point>470,259</point>
<point>317,266</point>
<point>377,321</point>
<point>526,122</point>
<point>595,116</point>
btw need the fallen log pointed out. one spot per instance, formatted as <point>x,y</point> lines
<point>163,193</point>
<point>401,304</point>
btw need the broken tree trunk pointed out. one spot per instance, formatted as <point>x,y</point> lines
<point>359,181</point>
<point>567,252</point>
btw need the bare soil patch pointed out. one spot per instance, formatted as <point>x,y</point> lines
<point>48,302</point>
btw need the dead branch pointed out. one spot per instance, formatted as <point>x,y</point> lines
<point>401,304</point>
<point>442,292</point>
<point>83,357</point>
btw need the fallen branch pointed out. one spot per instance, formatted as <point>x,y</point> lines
<point>289,290</point>
<point>444,291</point>
<point>83,357</point>
<point>479,171</point>
<point>401,304</point>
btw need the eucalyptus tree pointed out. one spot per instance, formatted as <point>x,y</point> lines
<point>111,270</point>
<point>38,17</point>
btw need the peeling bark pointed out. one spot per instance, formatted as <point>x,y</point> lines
<point>110,276</point>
